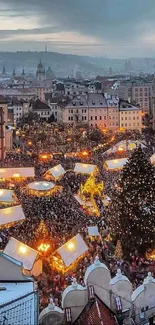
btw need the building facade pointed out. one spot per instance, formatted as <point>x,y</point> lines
<point>130,117</point>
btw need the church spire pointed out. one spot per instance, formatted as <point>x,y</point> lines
<point>14,72</point>
<point>3,71</point>
<point>23,73</point>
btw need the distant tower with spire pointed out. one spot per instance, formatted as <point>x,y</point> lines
<point>14,73</point>
<point>40,74</point>
<point>4,71</point>
<point>23,73</point>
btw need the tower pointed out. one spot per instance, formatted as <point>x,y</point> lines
<point>3,71</point>
<point>14,73</point>
<point>40,74</point>
<point>23,73</point>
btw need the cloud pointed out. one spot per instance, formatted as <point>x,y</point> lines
<point>117,24</point>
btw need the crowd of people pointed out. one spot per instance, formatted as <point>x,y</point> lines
<point>64,218</point>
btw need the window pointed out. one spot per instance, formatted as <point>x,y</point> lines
<point>71,111</point>
<point>137,117</point>
<point>77,111</point>
<point>122,124</point>
<point>133,117</point>
<point>82,110</point>
<point>85,118</point>
<point>56,107</point>
<point>122,118</point>
<point>113,117</point>
<point>126,118</point>
<point>82,118</point>
<point>113,124</point>
<point>125,124</point>
<point>95,118</point>
<point>91,118</point>
<point>71,118</point>
<point>105,117</point>
<point>55,113</point>
<point>85,110</point>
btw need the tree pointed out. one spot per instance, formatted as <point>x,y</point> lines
<point>118,251</point>
<point>132,211</point>
<point>51,119</point>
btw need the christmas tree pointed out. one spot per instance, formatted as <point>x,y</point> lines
<point>42,231</point>
<point>132,211</point>
<point>118,250</point>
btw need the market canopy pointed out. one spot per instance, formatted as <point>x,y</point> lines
<point>6,195</point>
<point>72,250</point>
<point>41,186</point>
<point>115,164</point>
<point>125,145</point>
<point>85,168</point>
<point>17,172</point>
<point>21,252</point>
<point>11,214</point>
<point>153,159</point>
<point>93,231</point>
<point>55,172</point>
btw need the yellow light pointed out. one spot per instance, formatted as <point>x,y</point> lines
<point>16,175</point>
<point>1,192</point>
<point>23,249</point>
<point>43,247</point>
<point>85,153</point>
<point>115,161</point>
<point>70,246</point>
<point>7,211</point>
<point>120,149</point>
<point>44,156</point>
<point>29,143</point>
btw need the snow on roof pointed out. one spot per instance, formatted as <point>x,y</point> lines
<point>11,214</point>
<point>73,249</point>
<point>116,163</point>
<point>96,264</point>
<point>6,195</point>
<point>84,168</point>
<point>17,172</point>
<point>21,252</point>
<point>41,186</point>
<point>15,290</point>
<point>56,171</point>
<point>137,292</point>
<point>93,231</point>
<point>74,286</point>
<point>118,277</point>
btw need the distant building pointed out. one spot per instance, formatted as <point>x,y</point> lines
<point>138,92</point>
<point>16,110</point>
<point>40,74</point>
<point>42,109</point>
<point>130,117</point>
<point>93,109</point>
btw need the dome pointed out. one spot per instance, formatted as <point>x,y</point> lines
<point>40,68</point>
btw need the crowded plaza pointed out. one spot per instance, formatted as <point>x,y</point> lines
<point>71,168</point>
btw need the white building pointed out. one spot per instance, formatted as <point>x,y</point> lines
<point>42,109</point>
<point>130,117</point>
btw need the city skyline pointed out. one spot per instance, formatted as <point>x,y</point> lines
<point>117,28</point>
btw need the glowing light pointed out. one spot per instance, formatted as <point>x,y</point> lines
<point>7,211</point>
<point>120,149</point>
<point>43,247</point>
<point>23,249</point>
<point>16,175</point>
<point>70,246</point>
<point>115,161</point>
<point>85,153</point>
<point>45,184</point>
<point>44,156</point>
<point>1,192</point>
<point>30,143</point>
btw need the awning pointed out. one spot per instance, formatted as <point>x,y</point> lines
<point>21,252</point>
<point>11,214</point>
<point>72,250</point>
<point>85,168</point>
<point>17,172</point>
<point>115,163</point>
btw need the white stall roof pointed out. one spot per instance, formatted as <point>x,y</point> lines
<point>116,163</point>
<point>93,231</point>
<point>11,214</point>
<point>41,186</point>
<point>21,252</point>
<point>153,159</point>
<point>6,195</point>
<point>56,171</point>
<point>72,250</point>
<point>82,202</point>
<point>84,168</point>
<point>17,172</point>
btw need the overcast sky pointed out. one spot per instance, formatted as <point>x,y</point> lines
<point>116,28</point>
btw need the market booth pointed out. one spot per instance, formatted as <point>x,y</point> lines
<point>16,173</point>
<point>10,216</point>
<point>85,169</point>
<point>115,164</point>
<point>69,253</point>
<point>153,159</point>
<point>42,188</point>
<point>55,173</point>
<point>24,254</point>
<point>7,197</point>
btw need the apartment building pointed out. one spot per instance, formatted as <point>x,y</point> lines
<point>130,117</point>
<point>92,109</point>
<point>16,110</point>
<point>138,92</point>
